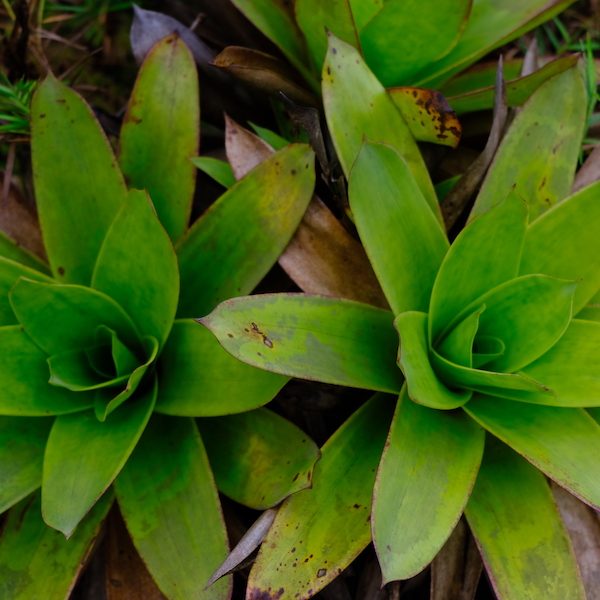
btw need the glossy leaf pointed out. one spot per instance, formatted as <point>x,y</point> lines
<point>64,317</point>
<point>200,379</point>
<point>136,240</point>
<point>235,243</point>
<point>10,271</point>
<point>486,253</point>
<point>424,386</point>
<point>418,39</point>
<point>518,91</point>
<point>549,147</point>
<point>219,170</point>
<point>572,366</point>
<point>245,453</point>
<point>161,130</point>
<point>562,442</point>
<point>36,561</point>
<point>22,443</point>
<point>428,115</point>
<point>316,18</point>
<point>77,180</point>
<point>170,504</point>
<point>24,374</point>
<point>527,553</point>
<point>357,105</point>
<point>491,24</point>
<point>13,251</point>
<point>318,532</point>
<point>428,468</point>
<point>84,455</point>
<point>406,247</point>
<point>311,337</point>
<point>564,243</point>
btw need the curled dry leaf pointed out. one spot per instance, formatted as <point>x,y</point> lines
<point>429,116</point>
<point>322,257</point>
<point>20,222</point>
<point>262,72</point>
<point>251,540</point>
<point>459,196</point>
<point>589,172</point>
<point>584,530</point>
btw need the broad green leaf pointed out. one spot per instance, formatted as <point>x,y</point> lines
<point>124,361</point>
<point>564,242</point>
<point>318,532</point>
<point>572,366</point>
<point>24,374</point>
<point>22,443</point>
<point>403,38</point>
<point>486,348</point>
<point>275,18</point>
<point>539,153</point>
<point>480,76</point>
<point>517,91</point>
<point>524,543</point>
<point>457,346</point>
<point>316,18</point>
<point>486,253</point>
<point>219,170</point>
<point>428,468</point>
<point>245,453</point>
<point>170,504</point>
<point>137,267</point>
<point>37,562</point>
<point>564,443</point>
<point>65,317</point>
<point>311,337</point>
<point>161,130</point>
<point>424,386</point>
<point>235,243</point>
<point>402,237</point>
<point>84,455</point>
<point>10,271</point>
<point>273,139</point>
<point>200,379</point>
<point>491,24</point>
<point>11,250</point>
<point>78,186</point>
<point>364,10</point>
<point>529,314</point>
<point>357,105</point>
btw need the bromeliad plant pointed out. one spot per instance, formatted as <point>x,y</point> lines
<point>103,369</point>
<point>489,350</point>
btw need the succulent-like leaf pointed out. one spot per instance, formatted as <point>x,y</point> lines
<point>562,442</point>
<point>418,39</point>
<point>161,130</point>
<point>60,318</point>
<point>11,250</point>
<point>539,152</point>
<point>78,186</point>
<point>364,10</point>
<point>245,453</point>
<point>527,553</point>
<point>22,444</point>
<point>36,561</point>
<point>170,504</point>
<point>137,267</point>
<point>311,337</point>
<point>357,105</point>
<point>480,76</point>
<point>428,468</point>
<point>564,242</point>
<point>235,243</point>
<point>24,374</point>
<point>486,253</point>
<point>457,346</point>
<point>406,247</point>
<point>572,366</point>
<point>318,532</point>
<point>424,386</point>
<point>84,455</point>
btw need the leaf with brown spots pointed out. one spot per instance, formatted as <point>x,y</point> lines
<point>428,115</point>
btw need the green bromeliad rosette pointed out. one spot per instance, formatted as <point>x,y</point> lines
<point>489,351</point>
<point>103,369</point>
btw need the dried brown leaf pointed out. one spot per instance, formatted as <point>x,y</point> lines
<point>589,172</point>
